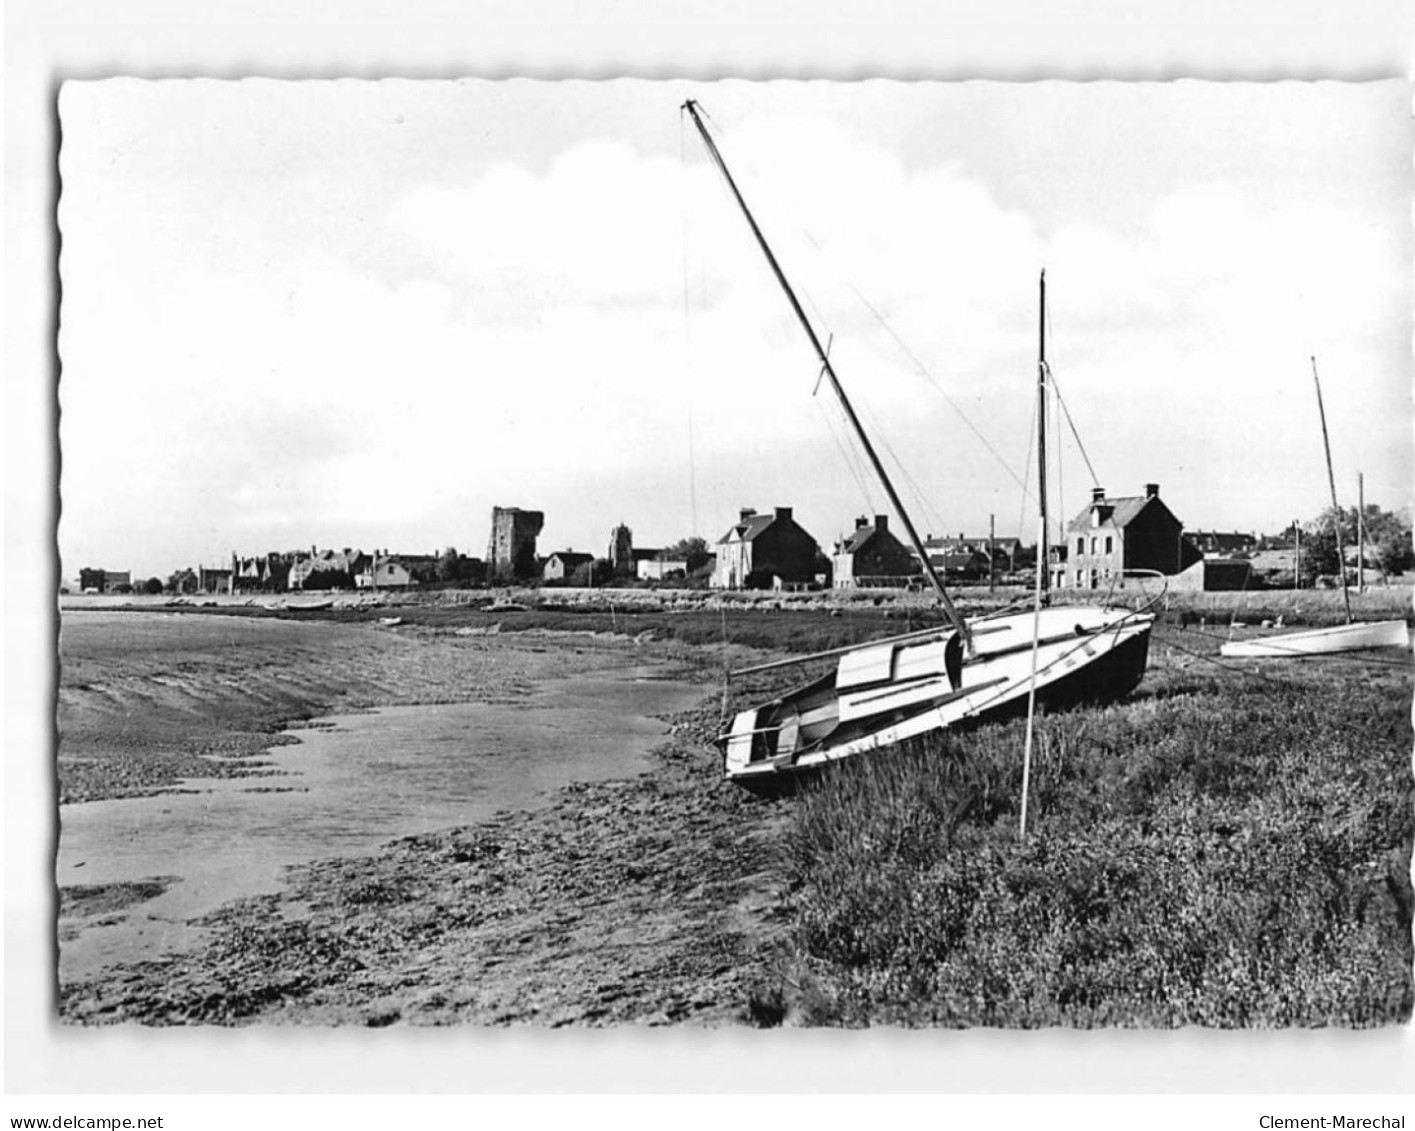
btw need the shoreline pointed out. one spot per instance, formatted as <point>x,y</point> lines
<point>640,900</point>
<point>649,900</point>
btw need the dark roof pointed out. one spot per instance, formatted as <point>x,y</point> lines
<point>571,557</point>
<point>859,539</point>
<point>1124,510</point>
<point>747,529</point>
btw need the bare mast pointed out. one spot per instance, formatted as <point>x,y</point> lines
<point>1336,510</point>
<point>1043,543</point>
<point>948,607</point>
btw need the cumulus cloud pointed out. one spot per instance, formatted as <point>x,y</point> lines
<point>426,340</point>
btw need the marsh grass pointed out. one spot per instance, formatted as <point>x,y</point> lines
<point>1224,849</point>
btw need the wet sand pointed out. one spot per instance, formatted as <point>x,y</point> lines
<point>644,899</point>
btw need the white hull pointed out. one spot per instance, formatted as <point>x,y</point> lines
<point>1321,641</point>
<point>883,694</point>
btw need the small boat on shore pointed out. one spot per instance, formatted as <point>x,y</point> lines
<point>884,692</point>
<point>311,606</point>
<point>1353,637</point>
<point>283,606</point>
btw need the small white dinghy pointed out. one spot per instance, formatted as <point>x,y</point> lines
<point>1321,641</point>
<point>1353,636</point>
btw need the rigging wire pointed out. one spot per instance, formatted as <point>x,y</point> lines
<point>923,369</point>
<point>849,455</point>
<point>1031,439</point>
<point>1095,480</point>
<point>688,333</point>
<point>1060,463</point>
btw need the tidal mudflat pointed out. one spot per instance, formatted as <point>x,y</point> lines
<point>192,820</point>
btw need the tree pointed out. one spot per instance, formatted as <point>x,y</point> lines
<point>1388,541</point>
<point>1394,550</point>
<point>694,551</point>
<point>598,572</point>
<point>449,565</point>
<point>152,586</point>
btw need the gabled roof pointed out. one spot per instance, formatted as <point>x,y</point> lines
<point>748,528</point>
<point>571,557</point>
<point>1125,509</point>
<point>859,539</point>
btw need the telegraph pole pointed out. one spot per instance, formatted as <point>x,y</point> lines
<point>1360,532</point>
<point>992,552</point>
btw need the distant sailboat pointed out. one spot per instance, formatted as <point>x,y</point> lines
<point>880,693</point>
<point>1352,636</point>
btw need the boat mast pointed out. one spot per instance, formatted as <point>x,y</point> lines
<point>1043,543</point>
<point>1336,510</point>
<point>948,607</point>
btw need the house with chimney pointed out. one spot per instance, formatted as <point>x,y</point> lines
<point>872,557</point>
<point>1115,533</point>
<point>765,551</point>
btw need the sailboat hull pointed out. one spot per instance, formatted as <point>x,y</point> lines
<point>1083,654</point>
<point>1323,641</point>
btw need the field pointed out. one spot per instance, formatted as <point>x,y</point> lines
<point>1228,847</point>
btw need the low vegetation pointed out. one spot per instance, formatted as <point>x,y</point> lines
<point>1224,849</point>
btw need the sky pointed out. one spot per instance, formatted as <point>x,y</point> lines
<point>355,313</point>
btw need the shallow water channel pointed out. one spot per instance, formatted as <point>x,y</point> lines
<point>351,783</point>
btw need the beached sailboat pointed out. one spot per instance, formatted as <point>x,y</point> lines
<point>1353,636</point>
<point>883,692</point>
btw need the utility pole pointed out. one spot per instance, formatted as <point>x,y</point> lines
<point>1360,532</point>
<point>1297,559</point>
<point>992,552</point>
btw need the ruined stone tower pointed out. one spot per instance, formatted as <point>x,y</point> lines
<point>621,550</point>
<point>511,552</point>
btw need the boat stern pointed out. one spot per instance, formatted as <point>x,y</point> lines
<point>737,743</point>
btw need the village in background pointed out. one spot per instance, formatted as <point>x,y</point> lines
<point>1111,536</point>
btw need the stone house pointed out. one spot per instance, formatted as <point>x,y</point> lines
<point>1118,533</point>
<point>872,556</point>
<point>764,551</point>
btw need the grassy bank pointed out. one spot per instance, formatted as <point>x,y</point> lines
<point>1223,849</point>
